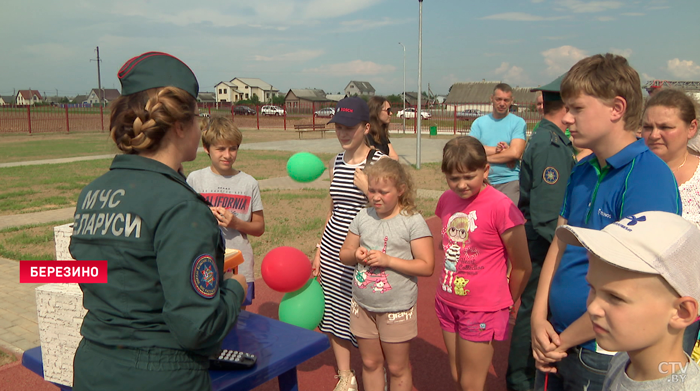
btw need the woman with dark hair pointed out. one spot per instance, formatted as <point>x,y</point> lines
<point>168,305</point>
<point>379,120</point>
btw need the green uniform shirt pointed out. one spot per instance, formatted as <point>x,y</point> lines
<point>165,259</point>
<point>546,166</point>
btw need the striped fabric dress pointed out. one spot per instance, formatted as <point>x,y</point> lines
<point>336,278</point>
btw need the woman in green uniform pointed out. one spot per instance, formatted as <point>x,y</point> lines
<point>167,305</point>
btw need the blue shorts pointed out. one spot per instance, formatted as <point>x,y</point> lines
<point>250,295</point>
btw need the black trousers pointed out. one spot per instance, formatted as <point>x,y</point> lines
<point>520,375</point>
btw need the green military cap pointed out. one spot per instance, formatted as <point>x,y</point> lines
<point>156,69</point>
<point>550,92</point>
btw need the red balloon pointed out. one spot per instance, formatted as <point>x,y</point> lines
<point>285,269</point>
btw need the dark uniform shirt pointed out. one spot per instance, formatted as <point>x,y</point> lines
<point>544,173</point>
<point>165,260</point>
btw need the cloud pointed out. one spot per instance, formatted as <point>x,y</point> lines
<point>298,56</point>
<point>579,6</point>
<point>324,9</point>
<point>269,14</point>
<point>605,18</point>
<point>560,60</point>
<point>356,67</point>
<point>512,74</point>
<point>507,41</point>
<point>647,77</point>
<point>557,38</point>
<point>54,51</point>
<point>633,14</point>
<point>450,79</point>
<point>364,24</point>
<point>683,68</point>
<point>537,1</point>
<point>521,17</point>
<point>626,53</point>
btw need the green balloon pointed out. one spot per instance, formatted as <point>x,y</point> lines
<point>305,167</point>
<point>304,307</point>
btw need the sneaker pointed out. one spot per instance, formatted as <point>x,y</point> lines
<point>346,381</point>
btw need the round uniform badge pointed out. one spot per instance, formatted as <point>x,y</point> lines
<point>205,276</point>
<point>550,175</point>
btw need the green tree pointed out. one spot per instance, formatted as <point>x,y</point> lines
<point>278,100</point>
<point>255,100</point>
<point>394,98</point>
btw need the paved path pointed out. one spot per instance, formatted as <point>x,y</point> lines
<point>18,319</point>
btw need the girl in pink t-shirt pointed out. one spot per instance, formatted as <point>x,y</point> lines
<point>481,230</point>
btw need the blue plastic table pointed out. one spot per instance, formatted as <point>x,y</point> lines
<point>280,347</point>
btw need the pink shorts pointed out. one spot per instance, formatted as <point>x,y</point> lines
<point>473,326</point>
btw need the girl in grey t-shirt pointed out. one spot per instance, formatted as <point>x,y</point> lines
<point>389,244</point>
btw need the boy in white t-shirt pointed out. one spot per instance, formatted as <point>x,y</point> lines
<point>644,275</point>
<point>233,194</point>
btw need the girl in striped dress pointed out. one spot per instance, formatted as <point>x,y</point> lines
<point>348,188</point>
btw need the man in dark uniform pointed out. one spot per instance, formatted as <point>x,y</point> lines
<point>544,173</point>
<point>167,305</point>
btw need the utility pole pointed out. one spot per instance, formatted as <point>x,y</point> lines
<point>100,93</point>
<point>420,80</point>
<point>404,87</point>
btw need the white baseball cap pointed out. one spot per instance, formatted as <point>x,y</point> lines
<point>658,243</point>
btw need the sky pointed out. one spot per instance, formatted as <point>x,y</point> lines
<point>48,45</point>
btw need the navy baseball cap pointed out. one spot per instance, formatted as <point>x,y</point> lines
<point>154,70</point>
<point>350,112</point>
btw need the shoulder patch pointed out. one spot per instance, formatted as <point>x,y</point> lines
<point>205,276</point>
<point>550,175</point>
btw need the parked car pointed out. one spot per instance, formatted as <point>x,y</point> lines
<point>244,110</point>
<point>469,114</point>
<point>411,113</point>
<point>271,110</point>
<point>325,112</point>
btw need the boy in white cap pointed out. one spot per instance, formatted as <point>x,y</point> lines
<point>644,275</point>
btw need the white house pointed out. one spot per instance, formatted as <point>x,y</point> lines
<point>109,94</point>
<point>226,92</point>
<point>27,97</point>
<point>359,88</point>
<point>243,88</point>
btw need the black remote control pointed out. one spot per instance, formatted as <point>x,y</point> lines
<point>228,360</point>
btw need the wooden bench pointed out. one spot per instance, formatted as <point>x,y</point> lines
<point>302,128</point>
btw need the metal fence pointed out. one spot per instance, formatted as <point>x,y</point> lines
<point>440,119</point>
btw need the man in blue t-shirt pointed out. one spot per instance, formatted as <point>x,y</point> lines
<point>503,136</point>
<point>621,178</point>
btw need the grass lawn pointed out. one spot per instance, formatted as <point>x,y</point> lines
<point>293,217</point>
<point>6,358</point>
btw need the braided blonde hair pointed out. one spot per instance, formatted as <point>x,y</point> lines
<point>138,122</point>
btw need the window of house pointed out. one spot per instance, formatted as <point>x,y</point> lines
<point>220,91</point>
<point>225,91</point>
<point>246,96</point>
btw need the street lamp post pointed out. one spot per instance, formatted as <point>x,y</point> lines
<point>420,80</point>
<point>404,87</point>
